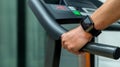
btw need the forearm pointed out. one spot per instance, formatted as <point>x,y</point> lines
<point>107,14</point>
<point>77,38</point>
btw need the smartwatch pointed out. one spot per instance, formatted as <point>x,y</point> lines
<point>88,25</point>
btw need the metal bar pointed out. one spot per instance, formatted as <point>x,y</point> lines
<point>113,28</point>
<point>52,52</point>
<point>96,2</point>
<point>92,60</point>
<point>21,48</point>
<point>52,1</point>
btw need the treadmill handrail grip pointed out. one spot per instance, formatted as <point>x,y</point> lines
<point>55,31</point>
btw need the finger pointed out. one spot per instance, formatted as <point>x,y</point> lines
<point>63,35</point>
<point>75,52</point>
<point>64,44</point>
<point>62,41</point>
<point>82,52</point>
<point>70,49</point>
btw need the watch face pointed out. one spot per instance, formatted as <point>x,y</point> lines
<point>87,23</point>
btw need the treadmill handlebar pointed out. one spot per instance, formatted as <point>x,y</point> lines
<point>55,31</point>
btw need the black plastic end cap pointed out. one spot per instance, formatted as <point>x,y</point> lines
<point>116,55</point>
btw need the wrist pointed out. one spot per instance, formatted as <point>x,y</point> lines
<point>89,26</point>
<point>97,22</point>
<point>85,34</point>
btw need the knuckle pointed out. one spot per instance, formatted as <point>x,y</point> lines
<point>63,35</point>
<point>65,43</point>
<point>70,47</point>
<point>63,40</point>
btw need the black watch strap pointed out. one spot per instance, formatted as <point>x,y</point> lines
<point>95,32</point>
<point>88,26</point>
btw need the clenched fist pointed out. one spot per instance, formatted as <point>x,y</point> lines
<point>75,39</point>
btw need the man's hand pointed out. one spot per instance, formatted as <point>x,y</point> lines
<point>75,39</point>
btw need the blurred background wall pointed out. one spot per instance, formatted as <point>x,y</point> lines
<point>10,36</point>
<point>8,32</point>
